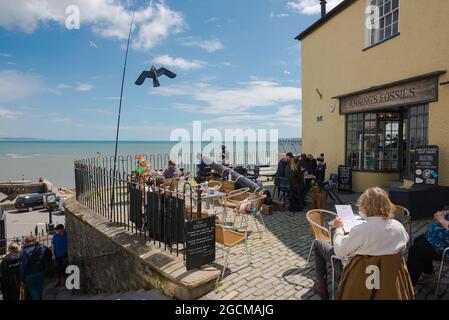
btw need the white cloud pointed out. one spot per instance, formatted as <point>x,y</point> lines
<point>208,45</point>
<point>286,72</point>
<point>179,63</point>
<point>210,20</point>
<point>311,7</point>
<point>6,55</point>
<point>63,86</point>
<point>107,18</point>
<point>288,115</point>
<point>16,85</point>
<point>278,15</point>
<point>98,111</point>
<point>8,114</point>
<point>235,100</point>
<point>83,87</point>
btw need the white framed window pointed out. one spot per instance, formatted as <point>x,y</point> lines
<point>385,21</point>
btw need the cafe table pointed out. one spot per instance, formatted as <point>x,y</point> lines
<point>208,198</point>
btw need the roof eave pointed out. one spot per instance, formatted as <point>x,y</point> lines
<point>322,20</point>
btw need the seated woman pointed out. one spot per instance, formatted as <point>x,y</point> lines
<point>171,171</point>
<point>429,247</point>
<point>380,235</point>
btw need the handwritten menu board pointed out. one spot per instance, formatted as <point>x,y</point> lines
<point>200,242</point>
<point>345,178</point>
<point>426,165</point>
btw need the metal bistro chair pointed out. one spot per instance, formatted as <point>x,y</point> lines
<point>402,214</point>
<point>284,188</point>
<point>330,187</point>
<point>443,262</point>
<point>257,203</point>
<point>229,239</point>
<point>232,200</point>
<point>320,232</point>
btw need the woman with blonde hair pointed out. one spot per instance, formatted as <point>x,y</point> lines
<point>381,235</point>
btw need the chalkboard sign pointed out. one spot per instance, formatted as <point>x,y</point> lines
<point>200,242</point>
<point>345,178</point>
<point>426,165</point>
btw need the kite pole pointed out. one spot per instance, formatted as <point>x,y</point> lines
<point>120,105</point>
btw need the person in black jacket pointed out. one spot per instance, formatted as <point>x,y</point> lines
<point>35,256</point>
<point>10,273</point>
<point>320,172</point>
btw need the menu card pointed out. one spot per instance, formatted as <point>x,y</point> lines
<point>350,220</point>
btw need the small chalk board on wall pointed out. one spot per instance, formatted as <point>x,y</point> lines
<point>345,178</point>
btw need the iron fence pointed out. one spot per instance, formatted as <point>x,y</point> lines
<point>2,232</point>
<point>43,238</point>
<point>158,214</point>
<point>188,162</point>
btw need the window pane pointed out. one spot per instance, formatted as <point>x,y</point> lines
<point>388,32</point>
<point>396,16</point>
<point>388,20</point>
<point>395,28</point>
<point>395,4</point>
<point>387,7</point>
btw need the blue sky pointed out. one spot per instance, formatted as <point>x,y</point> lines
<point>237,62</point>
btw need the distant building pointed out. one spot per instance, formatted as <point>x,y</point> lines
<point>373,92</point>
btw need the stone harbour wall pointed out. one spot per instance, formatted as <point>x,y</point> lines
<point>111,259</point>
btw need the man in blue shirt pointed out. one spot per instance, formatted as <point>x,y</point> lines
<point>59,250</point>
<point>429,247</point>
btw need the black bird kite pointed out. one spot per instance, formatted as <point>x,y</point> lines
<point>155,74</point>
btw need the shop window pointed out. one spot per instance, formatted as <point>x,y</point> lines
<point>417,135</point>
<point>373,141</point>
<point>388,21</point>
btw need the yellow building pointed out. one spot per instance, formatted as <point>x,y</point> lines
<point>375,87</point>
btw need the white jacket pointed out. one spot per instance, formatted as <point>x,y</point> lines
<point>377,237</point>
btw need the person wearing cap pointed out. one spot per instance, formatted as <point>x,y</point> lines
<point>59,250</point>
<point>10,273</point>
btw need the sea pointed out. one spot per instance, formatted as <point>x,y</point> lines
<point>54,160</point>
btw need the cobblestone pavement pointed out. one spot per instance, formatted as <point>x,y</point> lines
<point>279,269</point>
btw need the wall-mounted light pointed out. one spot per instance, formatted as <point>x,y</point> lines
<point>332,107</point>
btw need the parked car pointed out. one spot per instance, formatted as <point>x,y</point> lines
<point>29,201</point>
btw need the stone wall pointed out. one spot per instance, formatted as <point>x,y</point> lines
<point>111,259</point>
<point>21,187</point>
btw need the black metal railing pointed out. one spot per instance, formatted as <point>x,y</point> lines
<point>43,238</point>
<point>158,214</point>
<point>3,243</point>
<point>188,161</point>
